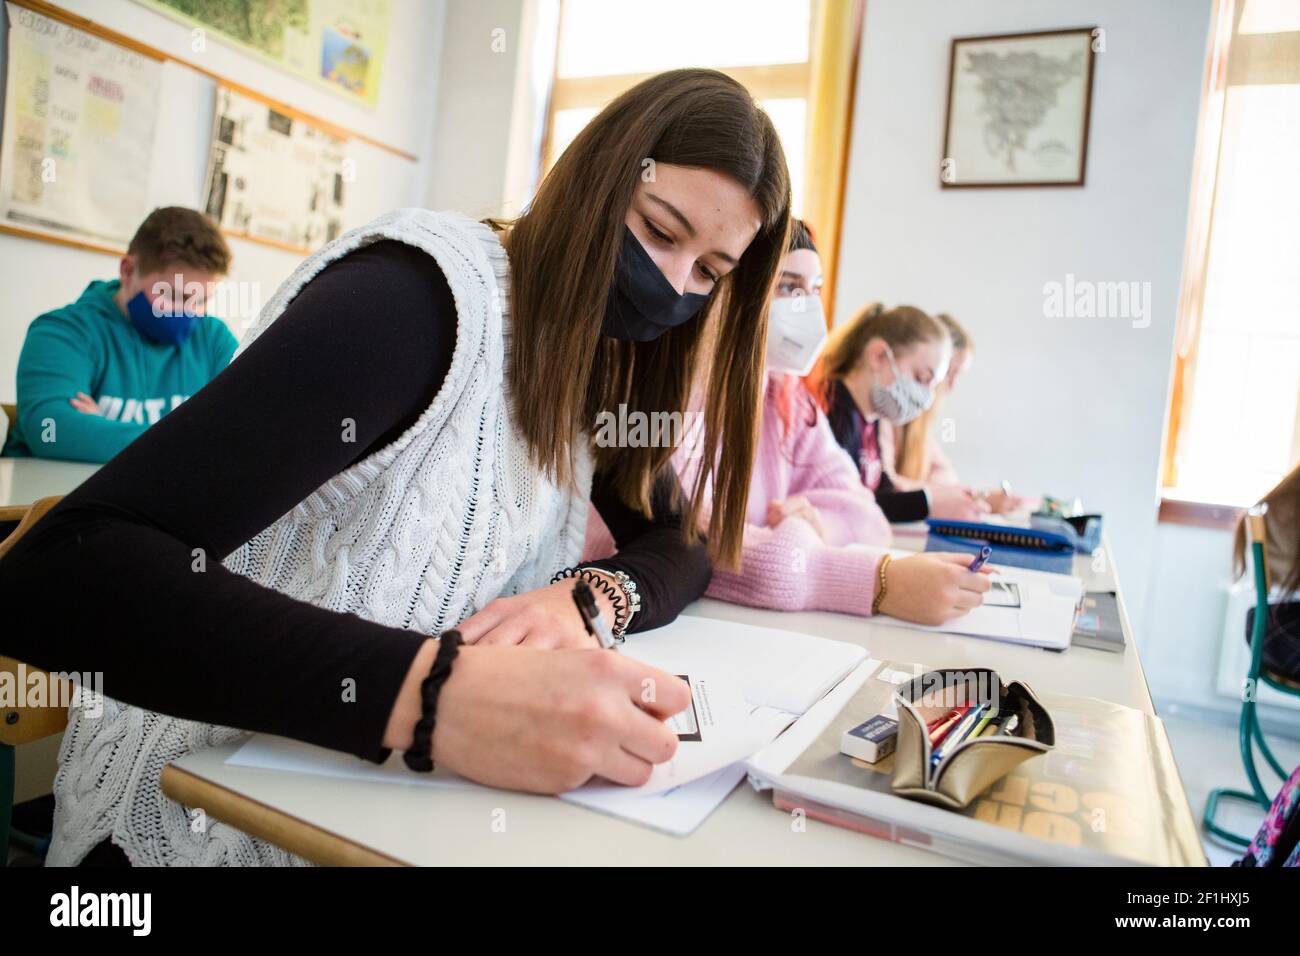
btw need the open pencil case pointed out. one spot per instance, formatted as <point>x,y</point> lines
<point>975,764</point>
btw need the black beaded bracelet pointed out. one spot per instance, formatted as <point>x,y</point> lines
<point>601,583</point>
<point>419,757</point>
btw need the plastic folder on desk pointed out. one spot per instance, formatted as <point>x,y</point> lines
<point>1030,548</point>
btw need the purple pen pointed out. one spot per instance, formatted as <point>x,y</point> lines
<point>985,553</point>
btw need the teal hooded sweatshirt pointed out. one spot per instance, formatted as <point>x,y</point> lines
<point>91,347</point>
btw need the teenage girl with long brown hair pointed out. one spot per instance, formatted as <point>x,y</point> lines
<point>403,447</point>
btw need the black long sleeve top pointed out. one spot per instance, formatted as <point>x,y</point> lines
<point>110,580</point>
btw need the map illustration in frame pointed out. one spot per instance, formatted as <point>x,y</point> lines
<point>1018,109</point>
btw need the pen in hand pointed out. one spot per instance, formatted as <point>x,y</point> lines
<point>592,620</point>
<point>985,553</point>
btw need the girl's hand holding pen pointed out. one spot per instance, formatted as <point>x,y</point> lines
<point>544,722</point>
<point>933,588</point>
<point>543,619</point>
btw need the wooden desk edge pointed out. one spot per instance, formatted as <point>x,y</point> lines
<point>317,844</point>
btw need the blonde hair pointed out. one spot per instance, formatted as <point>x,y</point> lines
<point>901,328</point>
<point>914,443</point>
<point>961,340</point>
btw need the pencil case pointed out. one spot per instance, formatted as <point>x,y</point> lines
<point>1005,536</point>
<point>1016,547</point>
<point>975,764</point>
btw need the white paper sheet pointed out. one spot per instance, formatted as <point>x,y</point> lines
<point>677,811</point>
<point>776,668</point>
<point>773,759</point>
<point>1044,617</point>
<point>748,684</point>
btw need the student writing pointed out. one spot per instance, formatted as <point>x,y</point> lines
<point>807,506</point>
<point>402,446</point>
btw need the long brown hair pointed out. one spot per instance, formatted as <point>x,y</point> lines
<point>914,445</point>
<point>563,252</point>
<point>1282,530</point>
<point>901,327</point>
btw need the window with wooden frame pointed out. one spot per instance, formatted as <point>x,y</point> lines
<point>1234,416</point>
<point>797,57</point>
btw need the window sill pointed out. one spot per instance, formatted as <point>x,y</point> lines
<point>1199,514</point>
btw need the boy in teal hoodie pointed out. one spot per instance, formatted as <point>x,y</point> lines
<point>93,375</point>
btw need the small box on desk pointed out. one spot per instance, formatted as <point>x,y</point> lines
<point>872,741</point>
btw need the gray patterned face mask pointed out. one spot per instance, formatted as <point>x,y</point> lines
<point>902,400</point>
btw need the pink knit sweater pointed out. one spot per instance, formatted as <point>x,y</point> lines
<point>790,567</point>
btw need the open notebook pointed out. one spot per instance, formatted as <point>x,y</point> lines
<point>748,684</point>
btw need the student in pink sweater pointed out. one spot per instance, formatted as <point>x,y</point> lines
<point>814,536</point>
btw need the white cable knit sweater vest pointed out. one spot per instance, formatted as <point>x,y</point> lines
<point>418,535</point>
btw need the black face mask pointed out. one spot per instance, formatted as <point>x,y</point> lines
<point>643,305</point>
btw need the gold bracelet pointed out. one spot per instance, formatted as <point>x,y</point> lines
<point>881,586</point>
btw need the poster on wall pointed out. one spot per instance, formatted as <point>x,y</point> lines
<point>79,119</point>
<point>1018,109</point>
<point>335,44</point>
<point>274,177</point>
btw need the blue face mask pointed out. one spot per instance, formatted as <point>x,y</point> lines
<point>169,328</point>
<point>643,305</point>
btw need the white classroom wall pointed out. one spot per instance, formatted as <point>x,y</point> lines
<point>37,276</point>
<point>1059,406</point>
<point>497,62</point>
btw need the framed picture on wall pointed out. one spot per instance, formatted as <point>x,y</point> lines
<point>1018,109</point>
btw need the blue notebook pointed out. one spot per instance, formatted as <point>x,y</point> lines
<point>1017,547</point>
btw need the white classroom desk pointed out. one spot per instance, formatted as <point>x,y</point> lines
<point>337,820</point>
<point>23,480</point>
